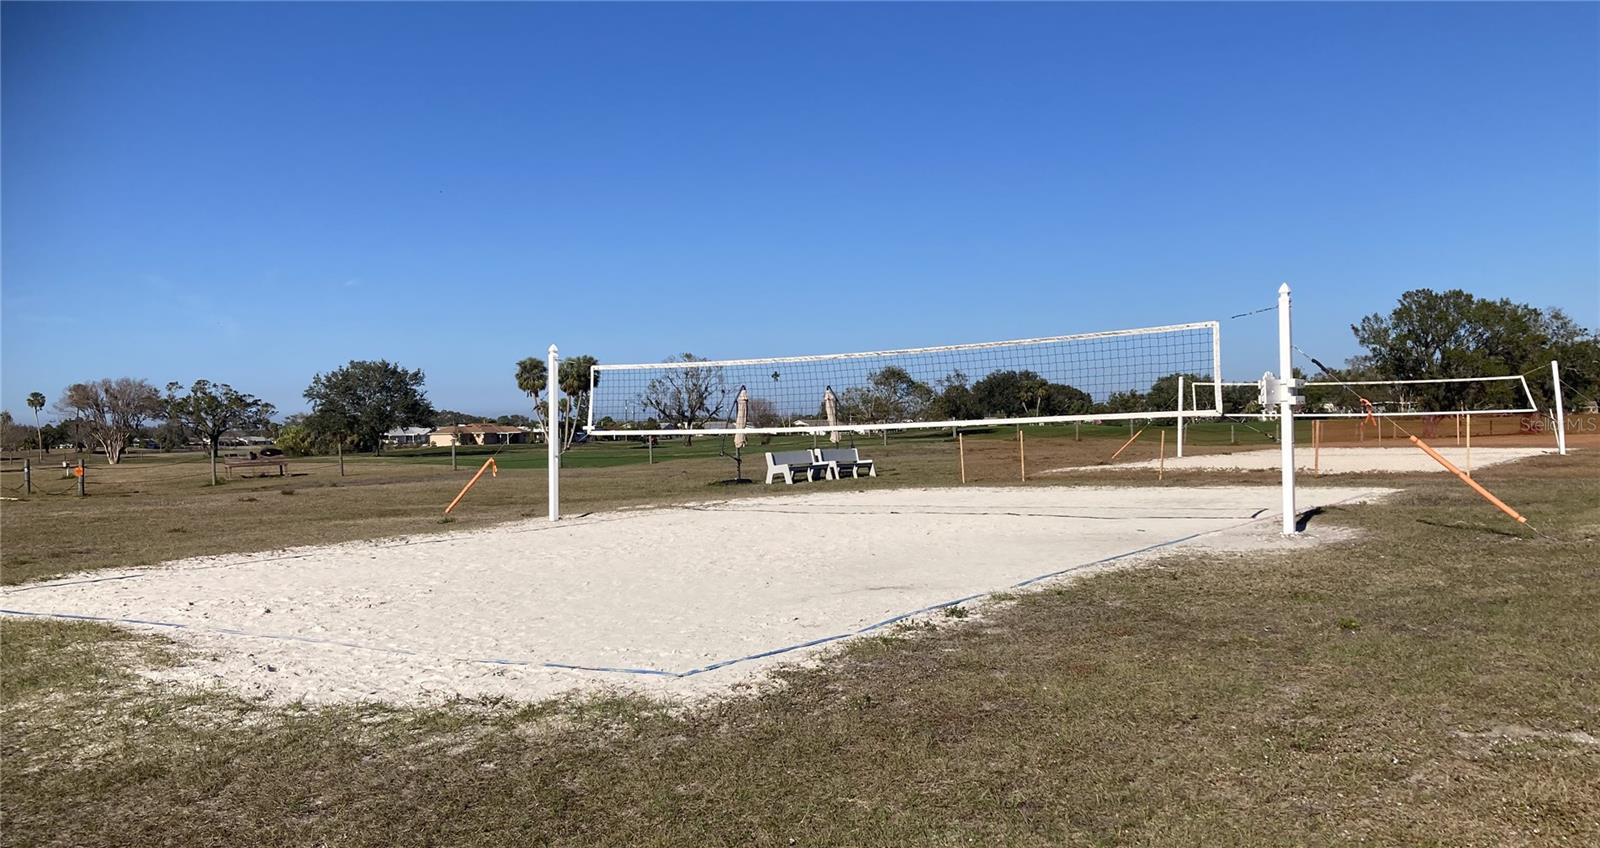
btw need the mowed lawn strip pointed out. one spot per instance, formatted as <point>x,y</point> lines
<point>1436,681</point>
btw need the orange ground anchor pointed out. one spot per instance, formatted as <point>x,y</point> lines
<point>1462,476</point>
<point>489,466</point>
<point>1128,442</point>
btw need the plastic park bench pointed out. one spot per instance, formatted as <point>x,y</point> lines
<point>846,459</point>
<point>786,464</point>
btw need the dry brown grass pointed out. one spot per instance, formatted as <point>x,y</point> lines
<point>1430,683</point>
<point>156,509</point>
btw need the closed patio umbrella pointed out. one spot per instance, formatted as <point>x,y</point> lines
<point>830,407</point>
<point>741,417</point>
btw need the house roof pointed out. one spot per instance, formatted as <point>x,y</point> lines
<point>408,431</point>
<point>480,428</point>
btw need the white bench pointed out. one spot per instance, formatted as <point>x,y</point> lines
<point>846,459</point>
<point>786,464</point>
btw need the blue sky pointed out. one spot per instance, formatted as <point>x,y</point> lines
<point>254,193</point>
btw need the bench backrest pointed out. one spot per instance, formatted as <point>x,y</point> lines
<point>839,455</point>
<point>802,457</point>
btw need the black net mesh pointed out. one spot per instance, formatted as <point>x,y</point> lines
<point>1061,378</point>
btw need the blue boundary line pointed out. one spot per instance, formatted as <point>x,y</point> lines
<point>653,672</point>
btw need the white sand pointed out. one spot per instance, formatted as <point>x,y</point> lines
<point>673,590</point>
<point>1333,460</point>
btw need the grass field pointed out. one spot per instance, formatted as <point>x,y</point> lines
<point>1434,681</point>
<point>606,453</point>
<point>157,507</point>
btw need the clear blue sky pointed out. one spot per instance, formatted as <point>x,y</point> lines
<point>254,193</point>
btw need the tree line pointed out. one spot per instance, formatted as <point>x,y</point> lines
<point>351,408</point>
<point>1427,335</point>
<point>111,413</point>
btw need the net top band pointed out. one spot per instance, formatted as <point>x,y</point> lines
<point>1213,326</point>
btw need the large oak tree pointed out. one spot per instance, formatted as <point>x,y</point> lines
<point>1431,334</point>
<point>364,399</point>
<point>210,409</point>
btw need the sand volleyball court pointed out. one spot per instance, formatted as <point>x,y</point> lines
<point>677,601</point>
<point>1332,460</point>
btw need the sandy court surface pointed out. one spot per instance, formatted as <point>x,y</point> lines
<point>675,601</point>
<point>1334,460</point>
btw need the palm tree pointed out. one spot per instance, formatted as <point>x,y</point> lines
<point>36,403</point>
<point>576,378</point>
<point>532,375</point>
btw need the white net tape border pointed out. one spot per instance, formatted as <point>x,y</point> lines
<point>1188,410</point>
<point>1271,412</point>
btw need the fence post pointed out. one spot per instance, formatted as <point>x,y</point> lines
<point>961,450</point>
<point>27,477</point>
<point>1316,448</point>
<point>1022,454</point>
<point>81,491</point>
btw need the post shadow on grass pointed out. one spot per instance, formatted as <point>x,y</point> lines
<point>1482,528</point>
<point>1303,520</point>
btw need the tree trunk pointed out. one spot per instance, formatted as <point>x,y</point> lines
<point>213,462</point>
<point>38,432</point>
<point>571,433</point>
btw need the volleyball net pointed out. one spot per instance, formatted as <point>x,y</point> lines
<point>1141,373</point>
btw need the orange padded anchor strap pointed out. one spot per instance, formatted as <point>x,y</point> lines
<point>1462,476</point>
<point>1128,442</point>
<point>489,466</point>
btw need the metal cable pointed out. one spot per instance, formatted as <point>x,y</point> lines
<point>1347,387</point>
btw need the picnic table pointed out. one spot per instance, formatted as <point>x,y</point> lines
<point>280,461</point>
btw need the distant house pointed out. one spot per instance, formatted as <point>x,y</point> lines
<point>407,436</point>
<point>480,434</point>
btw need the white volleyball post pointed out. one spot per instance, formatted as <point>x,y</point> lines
<point>1286,400</point>
<point>552,432</point>
<point>1561,417</point>
<point>1180,416</point>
